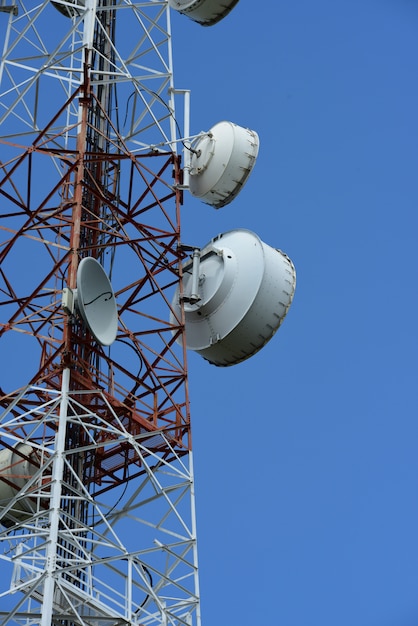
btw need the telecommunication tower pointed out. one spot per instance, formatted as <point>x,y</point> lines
<point>97,295</point>
<point>97,503</point>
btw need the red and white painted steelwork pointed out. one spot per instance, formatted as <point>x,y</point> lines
<point>97,518</point>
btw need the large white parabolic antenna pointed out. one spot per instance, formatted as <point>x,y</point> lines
<point>96,302</point>
<point>205,12</point>
<point>244,290</point>
<point>17,470</point>
<point>221,163</point>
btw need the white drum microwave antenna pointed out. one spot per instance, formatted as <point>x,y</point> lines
<point>17,470</point>
<point>235,296</point>
<point>205,12</point>
<point>95,301</point>
<point>221,163</point>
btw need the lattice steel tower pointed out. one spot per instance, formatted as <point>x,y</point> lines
<point>96,480</point>
<point>97,294</point>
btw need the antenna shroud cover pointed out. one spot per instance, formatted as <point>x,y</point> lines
<point>246,289</point>
<point>221,163</point>
<point>205,12</point>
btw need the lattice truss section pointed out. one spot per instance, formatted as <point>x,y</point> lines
<point>89,168</point>
<point>124,556</point>
<point>43,63</point>
<point>131,224</point>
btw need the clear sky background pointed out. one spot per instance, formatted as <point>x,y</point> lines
<point>306,455</point>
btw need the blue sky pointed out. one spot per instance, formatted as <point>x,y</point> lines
<point>306,456</point>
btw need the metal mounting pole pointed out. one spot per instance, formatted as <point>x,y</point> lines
<point>55,504</point>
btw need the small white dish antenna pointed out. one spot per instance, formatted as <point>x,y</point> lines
<point>221,163</point>
<point>205,12</point>
<point>96,302</point>
<point>236,298</point>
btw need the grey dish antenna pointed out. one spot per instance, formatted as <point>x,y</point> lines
<point>222,160</point>
<point>95,301</point>
<point>237,292</point>
<point>205,12</point>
